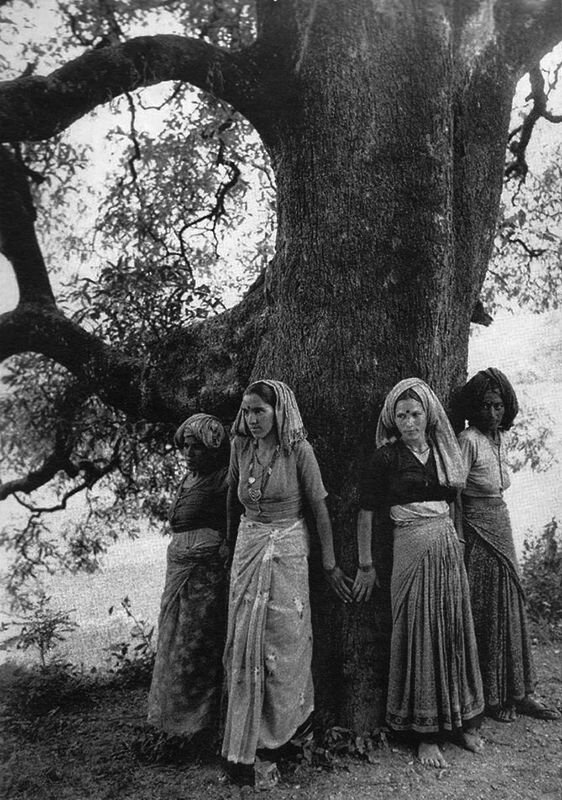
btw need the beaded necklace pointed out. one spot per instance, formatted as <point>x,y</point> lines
<point>256,493</point>
<point>497,451</point>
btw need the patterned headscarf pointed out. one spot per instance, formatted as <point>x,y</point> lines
<point>207,429</point>
<point>488,380</point>
<point>446,450</point>
<point>288,421</point>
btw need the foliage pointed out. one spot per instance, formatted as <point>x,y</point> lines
<point>117,473</point>
<point>542,579</point>
<point>325,746</point>
<point>43,628</point>
<point>35,694</point>
<point>132,662</point>
<point>160,238</point>
<point>529,441</point>
<point>152,746</point>
<point>524,271</point>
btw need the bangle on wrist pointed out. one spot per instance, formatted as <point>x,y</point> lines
<point>365,567</point>
<point>330,570</point>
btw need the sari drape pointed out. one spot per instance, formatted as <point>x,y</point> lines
<point>268,649</point>
<point>434,681</point>
<point>185,692</point>
<point>498,602</point>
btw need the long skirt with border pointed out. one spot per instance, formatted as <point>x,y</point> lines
<point>434,683</point>
<point>185,693</point>
<point>268,649</point>
<point>498,602</point>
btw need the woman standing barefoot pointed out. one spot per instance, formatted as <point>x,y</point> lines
<point>435,690</point>
<point>489,403</point>
<point>185,693</point>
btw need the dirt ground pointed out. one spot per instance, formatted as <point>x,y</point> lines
<point>92,752</point>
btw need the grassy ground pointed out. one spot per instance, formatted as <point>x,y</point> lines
<point>92,747</point>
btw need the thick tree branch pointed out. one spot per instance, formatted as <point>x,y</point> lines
<point>55,462</point>
<point>18,241</point>
<point>35,107</point>
<point>28,484</point>
<point>519,167</point>
<point>32,327</point>
<point>204,368</point>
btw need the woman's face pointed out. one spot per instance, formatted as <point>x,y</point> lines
<point>259,416</point>
<point>490,412</point>
<point>199,459</point>
<point>411,421</point>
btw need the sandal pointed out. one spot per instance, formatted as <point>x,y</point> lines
<point>532,707</point>
<point>505,714</point>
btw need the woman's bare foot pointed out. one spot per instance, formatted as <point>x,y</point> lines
<point>430,755</point>
<point>532,707</point>
<point>506,714</point>
<point>471,740</point>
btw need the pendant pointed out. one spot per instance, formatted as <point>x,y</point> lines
<point>251,480</point>
<point>255,494</point>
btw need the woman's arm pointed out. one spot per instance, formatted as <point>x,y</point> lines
<point>456,514</point>
<point>366,578</point>
<point>337,579</point>
<point>233,514</point>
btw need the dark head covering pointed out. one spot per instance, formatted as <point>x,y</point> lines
<point>288,421</point>
<point>488,380</point>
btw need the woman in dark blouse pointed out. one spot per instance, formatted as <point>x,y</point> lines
<point>185,693</point>
<point>434,685</point>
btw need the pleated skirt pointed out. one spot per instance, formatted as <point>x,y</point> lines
<point>434,682</point>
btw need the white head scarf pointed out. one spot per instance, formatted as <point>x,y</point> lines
<point>288,421</point>
<point>448,459</point>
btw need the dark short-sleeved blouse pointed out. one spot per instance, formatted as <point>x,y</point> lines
<point>200,503</point>
<point>394,476</point>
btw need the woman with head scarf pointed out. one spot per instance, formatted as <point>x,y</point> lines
<point>435,690</point>
<point>273,474</point>
<point>185,692</point>
<point>489,403</point>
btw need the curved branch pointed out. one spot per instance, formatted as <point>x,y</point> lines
<point>202,368</point>
<point>35,107</point>
<point>27,486</point>
<point>55,462</point>
<point>36,328</point>
<point>519,167</point>
<point>18,241</point>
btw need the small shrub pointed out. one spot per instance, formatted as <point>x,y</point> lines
<point>542,580</point>
<point>152,746</point>
<point>132,662</point>
<point>43,628</point>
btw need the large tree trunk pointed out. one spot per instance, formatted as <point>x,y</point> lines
<point>388,195</point>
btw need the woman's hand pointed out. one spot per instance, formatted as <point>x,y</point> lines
<point>225,553</point>
<point>340,583</point>
<point>365,581</point>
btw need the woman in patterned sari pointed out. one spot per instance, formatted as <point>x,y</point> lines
<point>185,693</point>
<point>435,690</point>
<point>273,473</point>
<point>489,403</point>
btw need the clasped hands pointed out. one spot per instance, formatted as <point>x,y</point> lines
<point>348,590</point>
